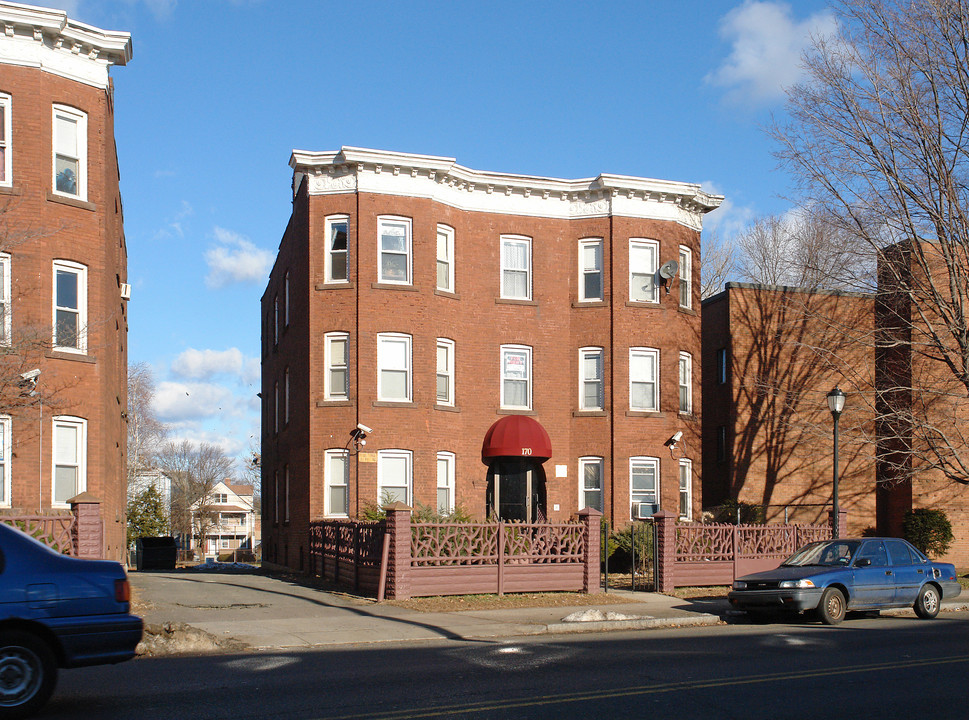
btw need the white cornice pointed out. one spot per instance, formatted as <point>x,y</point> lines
<point>47,39</point>
<point>443,180</point>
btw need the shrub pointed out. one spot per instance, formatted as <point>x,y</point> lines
<point>929,530</point>
<point>621,546</point>
<point>750,514</point>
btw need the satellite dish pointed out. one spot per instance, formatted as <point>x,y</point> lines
<point>669,269</point>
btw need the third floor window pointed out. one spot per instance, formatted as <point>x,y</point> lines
<point>394,246</point>
<point>335,235</point>
<point>516,268</point>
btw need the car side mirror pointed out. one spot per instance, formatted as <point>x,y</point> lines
<point>863,562</point>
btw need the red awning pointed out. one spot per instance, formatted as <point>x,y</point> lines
<point>516,436</point>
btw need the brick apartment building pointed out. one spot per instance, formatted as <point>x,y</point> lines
<point>62,269</point>
<point>515,346</point>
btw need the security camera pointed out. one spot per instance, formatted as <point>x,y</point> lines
<point>364,428</point>
<point>31,375</point>
<point>671,443</point>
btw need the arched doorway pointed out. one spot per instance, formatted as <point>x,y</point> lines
<point>514,449</point>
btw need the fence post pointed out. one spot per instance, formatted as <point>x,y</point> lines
<point>399,559</point>
<point>88,534</point>
<point>665,569</point>
<point>592,520</point>
<point>842,522</point>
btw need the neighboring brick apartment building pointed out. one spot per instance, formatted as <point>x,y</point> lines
<point>510,340</point>
<point>62,268</point>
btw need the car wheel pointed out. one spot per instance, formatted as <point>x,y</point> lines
<point>927,603</point>
<point>832,607</point>
<point>28,673</point>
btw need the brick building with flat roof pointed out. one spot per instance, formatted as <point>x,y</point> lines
<point>62,269</point>
<point>516,346</point>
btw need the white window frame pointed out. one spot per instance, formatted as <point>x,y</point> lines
<point>642,461</point>
<point>5,293</point>
<point>584,271</point>
<point>286,397</point>
<point>585,462</point>
<point>685,378</point>
<point>446,372</point>
<point>445,256</point>
<point>332,482</point>
<point>80,119</point>
<point>507,351</point>
<point>445,482</point>
<point>585,354</point>
<point>276,407</point>
<point>384,341</point>
<point>80,425</point>
<point>388,220</point>
<point>6,456</point>
<point>408,487</point>
<point>329,253</point>
<point>6,142</point>
<point>334,364</point>
<point>286,299</point>
<point>80,271</point>
<point>686,488</point>
<point>653,355</point>
<point>721,366</point>
<point>286,473</point>
<point>686,277</point>
<point>637,247</point>
<point>517,240</point>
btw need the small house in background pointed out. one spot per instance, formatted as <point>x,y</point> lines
<point>228,521</point>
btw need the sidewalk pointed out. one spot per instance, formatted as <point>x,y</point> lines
<point>261,612</point>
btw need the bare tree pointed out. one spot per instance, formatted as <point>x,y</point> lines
<point>195,470</point>
<point>717,264</point>
<point>146,432</point>
<point>878,137</point>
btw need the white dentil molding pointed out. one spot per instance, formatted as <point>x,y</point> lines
<point>443,180</point>
<point>47,39</point>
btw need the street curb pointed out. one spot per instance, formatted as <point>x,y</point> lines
<point>641,624</point>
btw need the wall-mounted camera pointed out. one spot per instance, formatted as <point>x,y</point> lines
<point>671,443</point>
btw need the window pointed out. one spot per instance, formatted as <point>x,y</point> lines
<point>686,489</point>
<point>642,270</point>
<point>516,268</point>
<point>591,386</point>
<point>516,377</point>
<point>394,247</point>
<point>445,258</point>
<point>590,475</point>
<point>445,371</point>
<point>644,486</point>
<point>445,483</point>
<point>276,406</point>
<point>286,299</point>
<point>275,320</point>
<point>70,306</point>
<point>590,269</point>
<point>336,473</point>
<point>337,377</point>
<point>722,443</point>
<point>5,450</point>
<point>286,397</point>
<point>686,382</point>
<point>286,516</point>
<point>70,152</point>
<point>393,367</point>
<point>722,366</point>
<point>394,476</point>
<point>643,389</point>
<point>276,496</point>
<point>4,299</point>
<point>6,156</point>
<point>686,277</point>
<point>335,230</point>
<point>220,498</point>
<point>70,459</point>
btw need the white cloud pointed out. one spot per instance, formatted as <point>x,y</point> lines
<point>177,402</point>
<point>201,364</point>
<point>767,43</point>
<point>235,259</point>
<point>728,219</point>
<point>252,371</point>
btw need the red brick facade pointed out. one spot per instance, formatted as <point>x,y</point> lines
<point>83,376</point>
<point>554,323</point>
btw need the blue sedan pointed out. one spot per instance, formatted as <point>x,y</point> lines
<point>834,576</point>
<point>56,611</point>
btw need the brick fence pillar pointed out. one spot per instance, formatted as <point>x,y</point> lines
<point>842,522</point>
<point>88,534</point>
<point>398,559</point>
<point>666,551</point>
<point>592,520</point>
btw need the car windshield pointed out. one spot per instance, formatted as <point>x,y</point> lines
<point>830,553</point>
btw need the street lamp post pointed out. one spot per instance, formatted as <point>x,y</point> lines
<point>836,403</point>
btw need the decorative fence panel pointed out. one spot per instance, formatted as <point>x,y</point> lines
<point>347,552</point>
<point>56,531</point>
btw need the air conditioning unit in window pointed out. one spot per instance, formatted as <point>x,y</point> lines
<point>125,291</point>
<point>644,511</point>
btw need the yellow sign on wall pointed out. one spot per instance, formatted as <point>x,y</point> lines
<point>370,457</point>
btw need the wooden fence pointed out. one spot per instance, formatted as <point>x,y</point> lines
<point>421,559</point>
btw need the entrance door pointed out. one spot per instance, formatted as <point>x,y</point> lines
<point>516,490</point>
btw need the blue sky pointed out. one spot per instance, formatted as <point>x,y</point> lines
<point>219,92</point>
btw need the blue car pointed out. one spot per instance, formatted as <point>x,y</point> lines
<point>834,576</point>
<point>56,611</point>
